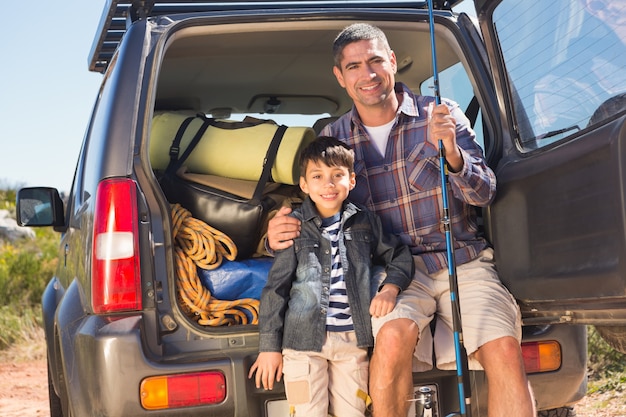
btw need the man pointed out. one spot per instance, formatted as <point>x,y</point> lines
<point>394,134</point>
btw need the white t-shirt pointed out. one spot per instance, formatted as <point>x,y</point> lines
<point>380,135</point>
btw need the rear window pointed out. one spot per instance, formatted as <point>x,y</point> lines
<point>566,65</point>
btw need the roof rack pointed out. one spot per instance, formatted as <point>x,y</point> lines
<point>118,15</point>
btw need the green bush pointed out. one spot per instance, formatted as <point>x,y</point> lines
<point>7,199</point>
<point>607,367</point>
<point>26,266</point>
<point>18,323</point>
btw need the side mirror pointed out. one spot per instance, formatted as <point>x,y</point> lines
<point>39,206</point>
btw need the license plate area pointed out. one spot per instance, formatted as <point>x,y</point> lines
<point>277,408</point>
<point>425,403</point>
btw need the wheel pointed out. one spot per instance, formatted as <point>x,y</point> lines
<point>56,410</point>
<point>558,412</point>
<point>615,336</point>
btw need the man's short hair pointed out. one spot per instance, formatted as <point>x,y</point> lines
<point>329,150</point>
<point>354,33</point>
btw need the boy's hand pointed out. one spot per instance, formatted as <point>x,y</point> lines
<point>282,229</point>
<point>384,301</point>
<point>269,368</point>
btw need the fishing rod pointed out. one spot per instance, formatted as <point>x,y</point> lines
<point>462,369</point>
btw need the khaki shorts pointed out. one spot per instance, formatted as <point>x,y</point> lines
<point>488,311</point>
<point>331,382</point>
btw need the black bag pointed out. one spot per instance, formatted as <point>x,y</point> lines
<point>240,218</point>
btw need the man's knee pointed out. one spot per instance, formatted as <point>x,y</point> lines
<point>503,350</point>
<point>397,336</point>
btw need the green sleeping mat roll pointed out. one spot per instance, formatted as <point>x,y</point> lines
<point>232,153</point>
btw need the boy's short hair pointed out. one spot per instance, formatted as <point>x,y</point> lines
<point>354,33</point>
<point>330,151</point>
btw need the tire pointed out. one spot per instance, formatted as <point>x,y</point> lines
<point>615,336</point>
<point>558,412</point>
<point>56,410</point>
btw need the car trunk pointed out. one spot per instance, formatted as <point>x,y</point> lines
<point>230,71</point>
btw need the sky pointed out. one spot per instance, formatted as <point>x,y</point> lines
<point>46,90</point>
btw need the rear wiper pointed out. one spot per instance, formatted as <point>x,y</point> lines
<point>557,132</point>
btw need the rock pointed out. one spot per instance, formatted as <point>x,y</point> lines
<point>10,231</point>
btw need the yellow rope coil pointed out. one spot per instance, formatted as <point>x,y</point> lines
<point>199,245</point>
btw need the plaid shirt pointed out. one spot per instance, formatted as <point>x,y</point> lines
<point>404,186</point>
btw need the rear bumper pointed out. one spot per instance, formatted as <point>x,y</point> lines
<point>107,364</point>
<point>104,361</point>
<point>568,385</point>
<point>555,389</point>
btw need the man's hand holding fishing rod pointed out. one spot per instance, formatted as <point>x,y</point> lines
<point>442,127</point>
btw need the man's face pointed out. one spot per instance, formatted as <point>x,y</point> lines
<point>367,72</point>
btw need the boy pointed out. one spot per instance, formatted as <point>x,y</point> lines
<point>316,303</point>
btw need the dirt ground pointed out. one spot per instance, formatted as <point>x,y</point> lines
<point>24,380</point>
<point>24,387</point>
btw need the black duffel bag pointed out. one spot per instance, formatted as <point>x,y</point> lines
<point>240,218</point>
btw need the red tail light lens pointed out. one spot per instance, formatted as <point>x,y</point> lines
<point>116,279</point>
<point>186,390</point>
<point>544,356</point>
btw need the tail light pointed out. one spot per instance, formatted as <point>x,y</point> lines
<point>116,279</point>
<point>183,390</point>
<point>541,356</point>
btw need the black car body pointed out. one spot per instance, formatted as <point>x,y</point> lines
<point>119,343</point>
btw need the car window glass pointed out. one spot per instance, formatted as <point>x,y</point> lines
<point>454,84</point>
<point>75,194</point>
<point>565,63</point>
<point>281,118</point>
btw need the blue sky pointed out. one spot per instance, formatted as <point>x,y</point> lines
<point>46,90</point>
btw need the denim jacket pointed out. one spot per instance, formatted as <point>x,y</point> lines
<point>295,299</point>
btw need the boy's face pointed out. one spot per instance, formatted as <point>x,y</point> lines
<point>327,186</point>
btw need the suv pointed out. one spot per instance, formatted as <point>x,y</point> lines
<point>542,83</point>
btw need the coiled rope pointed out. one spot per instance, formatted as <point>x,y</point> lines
<point>197,244</point>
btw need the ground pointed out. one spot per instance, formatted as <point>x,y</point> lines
<point>608,404</point>
<point>24,380</point>
<point>24,387</point>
